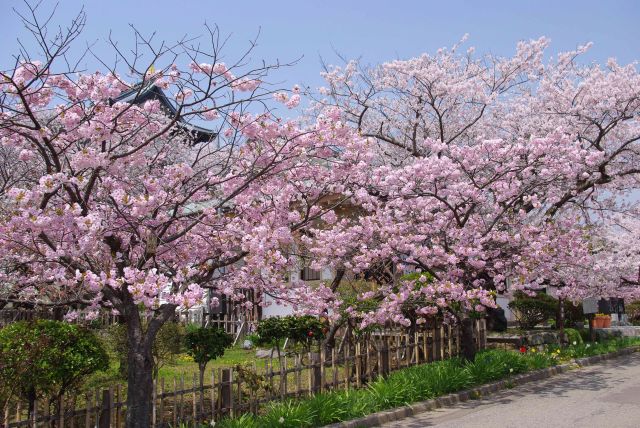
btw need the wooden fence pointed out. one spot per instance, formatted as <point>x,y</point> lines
<point>8,316</point>
<point>229,323</point>
<point>233,391</point>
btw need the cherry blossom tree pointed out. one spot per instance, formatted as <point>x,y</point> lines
<point>482,170</point>
<point>128,206</point>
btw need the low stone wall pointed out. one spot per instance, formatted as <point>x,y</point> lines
<point>529,339</point>
<point>618,331</point>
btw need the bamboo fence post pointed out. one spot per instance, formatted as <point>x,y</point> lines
<point>112,404</point>
<point>175,401</point>
<point>333,368</point>
<point>154,396</point>
<point>323,371</point>
<point>385,368</point>
<point>450,340</point>
<point>311,373</point>
<point>437,351</point>
<point>239,398</point>
<point>213,396</point>
<point>34,415</point>
<point>97,406</point>
<point>181,417</point>
<point>254,393</point>
<point>219,402</point>
<point>226,395</point>
<point>266,374</point>
<point>283,374</point>
<point>73,411</point>
<point>104,419</point>
<point>87,414</point>
<point>196,397</point>
<point>358,366</point>
<point>231,403</point>
<point>271,383</point>
<point>298,375</point>
<point>347,368</point>
<point>161,396</point>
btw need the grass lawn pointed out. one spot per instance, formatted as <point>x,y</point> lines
<point>184,366</point>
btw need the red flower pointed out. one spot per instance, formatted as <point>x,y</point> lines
<point>310,334</point>
<point>523,349</point>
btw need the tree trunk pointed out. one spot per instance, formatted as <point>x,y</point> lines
<point>140,384</point>
<point>560,321</point>
<point>467,339</point>
<point>31,398</point>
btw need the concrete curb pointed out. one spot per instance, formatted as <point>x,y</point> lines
<point>379,418</point>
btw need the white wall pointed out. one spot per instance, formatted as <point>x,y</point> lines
<point>503,302</point>
<point>273,309</point>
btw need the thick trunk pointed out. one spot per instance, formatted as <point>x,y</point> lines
<point>467,339</point>
<point>140,361</point>
<point>140,385</point>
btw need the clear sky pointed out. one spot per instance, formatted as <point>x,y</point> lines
<point>374,30</point>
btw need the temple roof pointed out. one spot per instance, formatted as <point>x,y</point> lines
<point>145,91</point>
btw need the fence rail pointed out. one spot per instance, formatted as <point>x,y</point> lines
<point>233,391</point>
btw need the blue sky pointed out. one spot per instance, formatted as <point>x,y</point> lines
<point>374,30</point>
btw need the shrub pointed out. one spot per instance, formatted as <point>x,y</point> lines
<point>57,355</point>
<point>633,312</point>
<point>532,310</point>
<point>203,345</point>
<point>572,314</point>
<point>573,336</point>
<point>166,347</point>
<point>301,330</point>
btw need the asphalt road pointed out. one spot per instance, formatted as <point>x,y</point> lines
<point>604,395</point>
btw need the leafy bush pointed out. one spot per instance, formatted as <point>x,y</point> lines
<point>57,356</point>
<point>166,347</point>
<point>573,336</point>
<point>532,310</point>
<point>203,345</point>
<point>633,312</point>
<point>301,330</point>
<point>572,314</point>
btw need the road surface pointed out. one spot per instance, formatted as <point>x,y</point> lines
<point>604,395</point>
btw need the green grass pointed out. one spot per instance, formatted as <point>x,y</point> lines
<point>414,384</point>
<point>182,366</point>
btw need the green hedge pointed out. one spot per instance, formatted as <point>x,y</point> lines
<point>532,310</point>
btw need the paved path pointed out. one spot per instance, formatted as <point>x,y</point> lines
<point>605,395</point>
